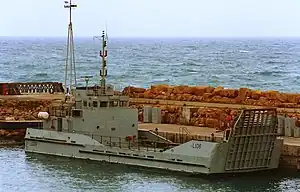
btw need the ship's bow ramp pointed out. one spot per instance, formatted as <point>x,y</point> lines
<point>252,141</point>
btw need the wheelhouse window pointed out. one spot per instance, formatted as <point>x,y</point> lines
<point>95,103</point>
<point>85,103</point>
<point>103,104</point>
<point>76,113</point>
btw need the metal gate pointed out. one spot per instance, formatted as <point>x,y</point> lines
<point>252,140</point>
<point>30,88</point>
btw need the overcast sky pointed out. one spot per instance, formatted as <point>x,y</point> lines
<point>152,18</point>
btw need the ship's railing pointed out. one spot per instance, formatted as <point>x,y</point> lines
<point>60,111</point>
<point>183,131</point>
<point>97,90</point>
<point>184,135</point>
<point>131,144</point>
<point>43,87</point>
<point>31,88</point>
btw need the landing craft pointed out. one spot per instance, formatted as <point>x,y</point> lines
<point>101,126</point>
<point>98,124</point>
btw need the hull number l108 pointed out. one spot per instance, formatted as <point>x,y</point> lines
<point>196,145</point>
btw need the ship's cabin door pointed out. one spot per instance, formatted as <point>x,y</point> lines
<point>226,135</point>
<point>59,124</point>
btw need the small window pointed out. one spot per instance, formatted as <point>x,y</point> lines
<point>103,104</point>
<point>113,129</point>
<point>95,103</point>
<point>76,113</point>
<point>85,103</point>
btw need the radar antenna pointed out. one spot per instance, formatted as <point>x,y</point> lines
<point>103,55</point>
<point>70,50</point>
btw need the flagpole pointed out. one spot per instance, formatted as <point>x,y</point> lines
<point>70,48</point>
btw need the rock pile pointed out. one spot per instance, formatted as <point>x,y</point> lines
<point>214,117</point>
<point>202,117</point>
<point>22,109</point>
<point>4,133</point>
<point>217,95</point>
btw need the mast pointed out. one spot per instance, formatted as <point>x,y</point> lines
<point>103,70</point>
<point>70,49</point>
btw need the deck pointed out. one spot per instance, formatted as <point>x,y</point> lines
<point>181,133</point>
<point>171,128</point>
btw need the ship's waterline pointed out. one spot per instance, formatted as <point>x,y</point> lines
<point>35,172</point>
